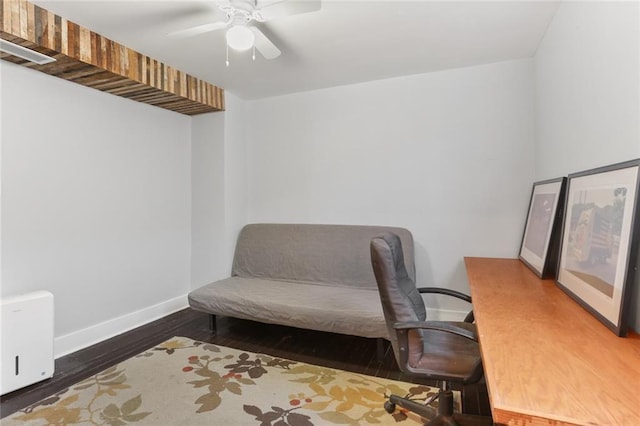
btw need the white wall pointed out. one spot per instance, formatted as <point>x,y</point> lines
<point>448,155</point>
<point>236,203</point>
<point>587,72</point>
<point>219,207</point>
<point>208,231</point>
<point>95,204</point>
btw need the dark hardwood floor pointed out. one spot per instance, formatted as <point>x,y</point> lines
<point>327,349</point>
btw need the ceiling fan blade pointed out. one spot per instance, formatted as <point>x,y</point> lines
<point>212,26</point>
<point>286,8</point>
<point>264,45</point>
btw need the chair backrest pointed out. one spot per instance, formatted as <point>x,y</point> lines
<point>401,300</point>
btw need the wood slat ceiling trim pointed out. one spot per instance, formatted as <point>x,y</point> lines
<point>92,60</point>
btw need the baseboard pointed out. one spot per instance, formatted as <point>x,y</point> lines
<point>80,339</point>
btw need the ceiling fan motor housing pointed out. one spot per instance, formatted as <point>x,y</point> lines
<point>241,12</point>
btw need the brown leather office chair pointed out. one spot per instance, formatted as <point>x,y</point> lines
<point>437,350</point>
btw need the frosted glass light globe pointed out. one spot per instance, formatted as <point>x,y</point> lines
<point>240,38</point>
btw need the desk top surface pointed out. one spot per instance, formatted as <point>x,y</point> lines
<point>547,358</point>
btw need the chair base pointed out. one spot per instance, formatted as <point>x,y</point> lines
<point>421,409</point>
<point>444,416</point>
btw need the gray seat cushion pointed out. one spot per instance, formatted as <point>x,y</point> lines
<point>322,307</point>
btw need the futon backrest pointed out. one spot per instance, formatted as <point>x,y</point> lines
<point>329,254</point>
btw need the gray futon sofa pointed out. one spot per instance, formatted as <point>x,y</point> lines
<point>317,277</point>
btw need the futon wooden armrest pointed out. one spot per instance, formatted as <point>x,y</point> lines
<point>436,325</point>
<point>448,292</point>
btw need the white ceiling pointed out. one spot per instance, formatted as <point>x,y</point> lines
<point>345,42</point>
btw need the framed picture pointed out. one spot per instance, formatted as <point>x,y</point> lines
<point>541,239</point>
<point>600,234</point>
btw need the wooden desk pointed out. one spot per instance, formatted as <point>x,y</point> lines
<point>545,357</point>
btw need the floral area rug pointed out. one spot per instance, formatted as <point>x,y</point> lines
<point>186,382</point>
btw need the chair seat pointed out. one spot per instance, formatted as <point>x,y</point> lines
<point>446,356</point>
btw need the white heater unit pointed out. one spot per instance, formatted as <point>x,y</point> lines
<point>26,340</point>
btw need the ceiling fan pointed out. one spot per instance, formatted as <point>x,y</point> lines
<point>240,14</point>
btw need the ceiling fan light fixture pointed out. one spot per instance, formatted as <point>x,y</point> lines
<point>240,37</point>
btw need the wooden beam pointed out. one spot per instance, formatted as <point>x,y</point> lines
<point>92,60</point>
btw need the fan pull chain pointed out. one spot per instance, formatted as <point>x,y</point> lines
<point>254,53</point>
<point>227,62</point>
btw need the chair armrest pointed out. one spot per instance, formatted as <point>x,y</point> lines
<point>446,291</point>
<point>443,326</point>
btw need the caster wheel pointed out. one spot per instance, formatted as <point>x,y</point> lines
<point>390,407</point>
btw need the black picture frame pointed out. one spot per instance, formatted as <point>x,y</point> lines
<point>540,244</point>
<point>599,242</point>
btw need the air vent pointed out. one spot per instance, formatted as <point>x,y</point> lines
<point>24,53</point>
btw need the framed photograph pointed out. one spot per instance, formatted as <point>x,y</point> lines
<point>600,234</point>
<point>541,239</point>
